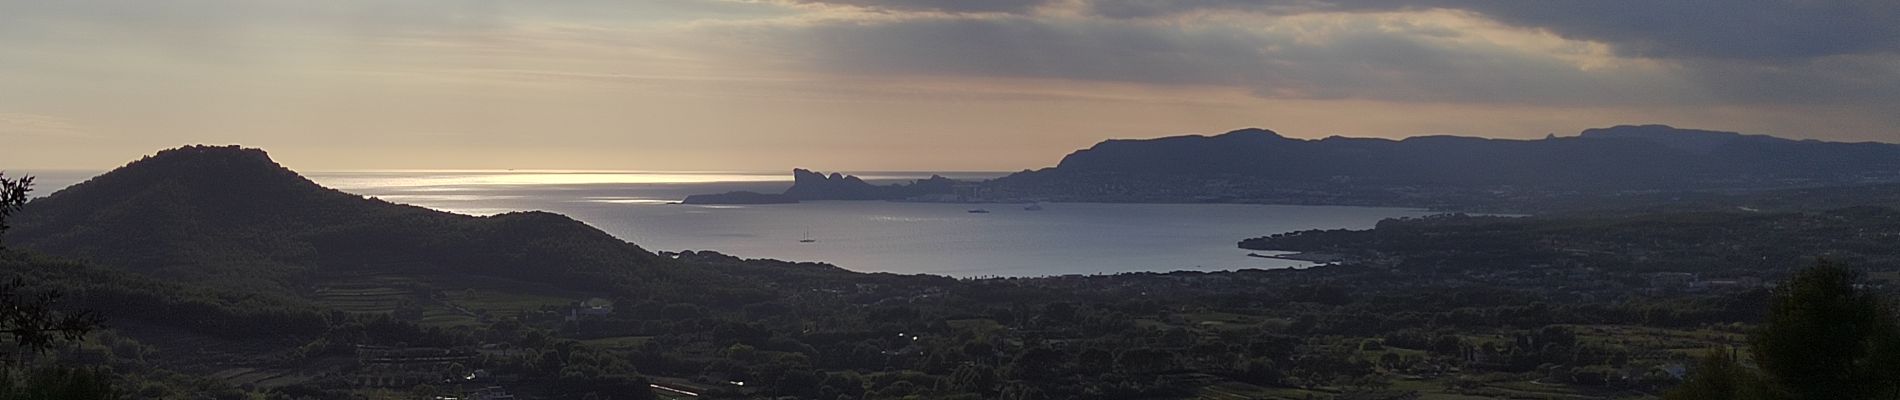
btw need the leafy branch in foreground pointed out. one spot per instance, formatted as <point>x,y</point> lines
<point>34,324</point>
<point>12,197</point>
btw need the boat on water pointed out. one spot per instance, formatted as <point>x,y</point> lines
<point>808,238</point>
<point>979,211</point>
<point>1033,207</point>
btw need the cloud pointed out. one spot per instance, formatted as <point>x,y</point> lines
<point>1132,9</point>
<point>38,125</point>
<point>1768,30</point>
<point>952,6</point>
<point>1719,29</point>
<point>1432,57</point>
<point>1835,80</point>
<point>1609,52</point>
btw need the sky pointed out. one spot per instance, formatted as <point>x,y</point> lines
<point>951,85</point>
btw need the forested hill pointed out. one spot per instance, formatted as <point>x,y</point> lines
<point>1258,165</point>
<point>230,215</point>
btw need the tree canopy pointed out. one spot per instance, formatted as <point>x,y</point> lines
<point>1825,336</point>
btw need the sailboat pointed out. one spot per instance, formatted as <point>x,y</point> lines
<point>808,238</point>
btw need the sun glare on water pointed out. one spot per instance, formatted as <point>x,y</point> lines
<point>476,179</point>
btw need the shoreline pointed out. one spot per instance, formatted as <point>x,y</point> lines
<point>1312,257</point>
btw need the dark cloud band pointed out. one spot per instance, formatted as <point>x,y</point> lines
<point>1754,30</point>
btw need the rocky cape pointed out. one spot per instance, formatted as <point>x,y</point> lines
<point>812,185</point>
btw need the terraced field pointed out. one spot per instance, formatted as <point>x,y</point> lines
<point>447,317</point>
<point>364,299</point>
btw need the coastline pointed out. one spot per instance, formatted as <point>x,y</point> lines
<point>1312,257</point>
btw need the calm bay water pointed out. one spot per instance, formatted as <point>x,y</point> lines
<point>1063,238</point>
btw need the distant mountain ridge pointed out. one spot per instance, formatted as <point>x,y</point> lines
<point>1258,165</point>
<point>1692,140</point>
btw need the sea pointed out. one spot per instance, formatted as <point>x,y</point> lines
<point>870,236</point>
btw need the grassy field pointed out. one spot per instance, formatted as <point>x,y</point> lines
<point>1648,347</point>
<point>500,301</point>
<point>622,342</point>
<point>1660,344</point>
<point>977,325</point>
<point>261,377</point>
<point>454,302</point>
<point>1227,321</point>
<point>1242,391</point>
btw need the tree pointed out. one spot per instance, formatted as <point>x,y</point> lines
<point>58,383</point>
<point>1037,364</point>
<point>1720,377</point>
<point>1144,360</point>
<point>1259,371</point>
<point>457,371</point>
<point>12,198</point>
<point>1827,338</point>
<point>973,378</point>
